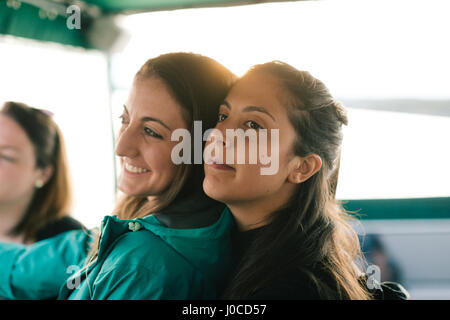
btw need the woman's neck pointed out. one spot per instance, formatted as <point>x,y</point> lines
<point>255,213</point>
<point>248,217</point>
<point>10,216</point>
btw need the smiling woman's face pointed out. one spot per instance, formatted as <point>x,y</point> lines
<point>150,115</point>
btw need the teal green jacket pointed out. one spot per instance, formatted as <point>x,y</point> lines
<point>162,256</point>
<point>37,271</point>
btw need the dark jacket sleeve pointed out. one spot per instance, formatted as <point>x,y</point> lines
<point>57,227</point>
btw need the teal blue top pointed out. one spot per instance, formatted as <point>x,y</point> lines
<point>37,271</point>
<point>137,259</point>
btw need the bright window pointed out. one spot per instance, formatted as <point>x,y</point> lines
<point>383,50</point>
<point>394,155</point>
<point>72,84</point>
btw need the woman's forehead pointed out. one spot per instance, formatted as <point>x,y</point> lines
<point>150,97</point>
<point>11,133</point>
<point>258,89</point>
<point>154,93</point>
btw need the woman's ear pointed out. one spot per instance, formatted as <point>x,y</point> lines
<point>304,168</point>
<point>44,176</point>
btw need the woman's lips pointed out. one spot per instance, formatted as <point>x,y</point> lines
<point>133,170</point>
<point>220,166</point>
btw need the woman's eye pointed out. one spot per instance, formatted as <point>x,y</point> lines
<point>9,159</point>
<point>122,119</point>
<point>152,133</point>
<point>253,125</point>
<point>221,117</point>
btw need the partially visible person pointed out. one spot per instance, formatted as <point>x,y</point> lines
<point>376,254</point>
<point>35,190</point>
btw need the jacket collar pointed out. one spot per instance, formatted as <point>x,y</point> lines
<point>193,211</point>
<point>194,216</point>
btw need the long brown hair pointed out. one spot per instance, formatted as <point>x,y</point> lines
<point>311,234</point>
<point>53,200</point>
<point>199,84</point>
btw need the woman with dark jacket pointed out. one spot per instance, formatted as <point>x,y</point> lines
<point>293,239</point>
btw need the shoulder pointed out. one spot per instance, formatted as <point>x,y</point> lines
<point>139,282</point>
<point>286,288</point>
<point>294,285</point>
<point>57,227</point>
<point>141,265</point>
<point>144,249</point>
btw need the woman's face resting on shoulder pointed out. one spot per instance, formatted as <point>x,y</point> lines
<point>256,101</point>
<point>144,144</point>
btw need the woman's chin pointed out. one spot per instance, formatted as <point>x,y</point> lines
<point>130,190</point>
<point>214,189</point>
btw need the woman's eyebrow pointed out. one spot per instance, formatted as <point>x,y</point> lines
<point>249,109</point>
<point>145,119</point>
<point>226,104</point>
<point>258,109</point>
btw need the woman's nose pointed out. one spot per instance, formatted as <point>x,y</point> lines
<point>216,137</point>
<point>220,136</point>
<point>126,144</point>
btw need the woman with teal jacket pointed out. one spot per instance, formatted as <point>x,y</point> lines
<point>167,240</point>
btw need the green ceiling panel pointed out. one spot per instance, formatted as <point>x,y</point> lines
<point>152,5</point>
<point>414,208</point>
<point>25,22</point>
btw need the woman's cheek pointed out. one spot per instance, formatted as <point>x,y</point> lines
<point>16,180</point>
<point>160,161</point>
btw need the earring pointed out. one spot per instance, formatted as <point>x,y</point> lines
<point>39,184</point>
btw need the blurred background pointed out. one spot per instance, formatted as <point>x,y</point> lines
<point>387,61</point>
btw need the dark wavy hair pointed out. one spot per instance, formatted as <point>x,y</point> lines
<point>311,234</point>
<point>53,200</point>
